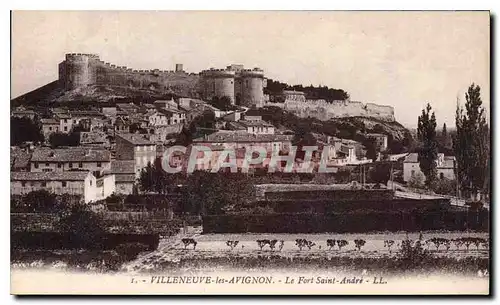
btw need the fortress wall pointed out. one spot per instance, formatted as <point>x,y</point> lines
<point>182,83</point>
<point>87,69</point>
<point>322,110</point>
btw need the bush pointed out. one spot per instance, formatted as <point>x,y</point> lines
<point>130,250</point>
<point>417,181</point>
<point>40,201</point>
<point>444,186</point>
<point>412,255</point>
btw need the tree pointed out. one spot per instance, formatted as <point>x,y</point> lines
<point>24,129</point>
<point>83,223</point>
<point>428,152</point>
<point>216,193</point>
<point>184,138</point>
<point>40,201</point>
<point>471,144</point>
<point>223,103</point>
<point>444,133</point>
<point>58,139</point>
<point>380,173</point>
<point>303,137</point>
<point>153,178</point>
<point>205,120</point>
<point>371,149</point>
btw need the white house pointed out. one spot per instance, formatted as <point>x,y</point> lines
<point>445,166</point>
<point>81,183</point>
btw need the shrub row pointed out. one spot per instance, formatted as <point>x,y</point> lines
<point>357,222</point>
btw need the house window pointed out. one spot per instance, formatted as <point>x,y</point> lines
<point>59,165</point>
<point>47,169</point>
<point>65,128</point>
<point>70,165</point>
<point>441,176</point>
<point>80,165</point>
<point>44,184</point>
<point>23,184</point>
<point>36,164</point>
<point>50,128</point>
<point>63,183</point>
<point>412,172</point>
<point>47,164</point>
<point>74,121</point>
<point>65,120</point>
<point>90,182</point>
<point>99,164</point>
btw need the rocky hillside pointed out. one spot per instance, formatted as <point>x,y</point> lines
<point>399,138</point>
<point>53,94</point>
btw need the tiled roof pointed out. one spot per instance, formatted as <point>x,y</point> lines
<point>28,111</point>
<point>135,139</point>
<point>49,121</point>
<point>255,123</point>
<point>224,136</point>
<point>19,158</point>
<point>170,111</point>
<point>448,160</point>
<point>63,116</point>
<point>93,137</point>
<point>49,176</point>
<point>122,167</point>
<point>76,154</point>
<point>87,113</point>
<point>411,158</point>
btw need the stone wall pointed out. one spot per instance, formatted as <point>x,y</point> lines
<point>322,110</point>
<point>87,69</point>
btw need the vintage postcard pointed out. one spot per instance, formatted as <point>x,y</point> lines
<point>250,152</point>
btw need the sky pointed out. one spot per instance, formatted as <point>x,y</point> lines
<point>401,59</point>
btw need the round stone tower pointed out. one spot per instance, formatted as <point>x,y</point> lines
<point>79,70</point>
<point>218,83</point>
<point>252,87</point>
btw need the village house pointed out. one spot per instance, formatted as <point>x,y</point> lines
<point>252,126</point>
<point>165,104</point>
<point>122,125</point>
<point>23,113</point>
<point>65,122</point>
<point>81,183</point>
<point>174,116</point>
<point>345,151</point>
<point>109,111</point>
<point>244,140</point>
<point>128,108</point>
<point>70,159</point>
<point>156,118</point>
<point>125,176</point>
<point>49,126</point>
<point>445,166</point>
<point>135,147</point>
<point>233,116</point>
<point>380,140</point>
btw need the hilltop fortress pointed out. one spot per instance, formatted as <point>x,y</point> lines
<point>244,87</point>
